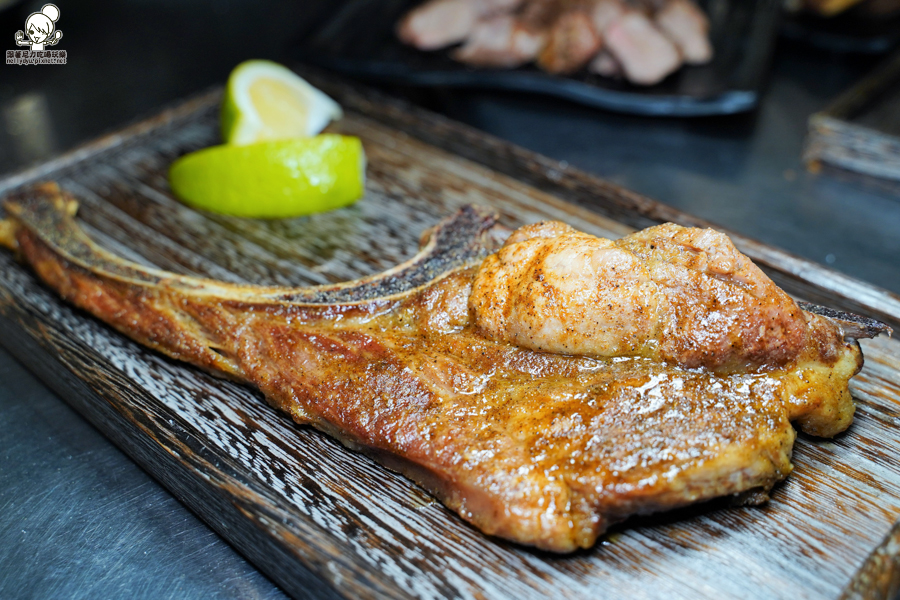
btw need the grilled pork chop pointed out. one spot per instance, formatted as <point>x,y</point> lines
<point>543,391</point>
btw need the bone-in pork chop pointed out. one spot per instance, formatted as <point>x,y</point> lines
<point>579,382</point>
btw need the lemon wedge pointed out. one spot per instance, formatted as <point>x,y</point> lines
<point>275,179</point>
<point>266,101</point>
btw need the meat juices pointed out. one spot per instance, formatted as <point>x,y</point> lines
<point>468,369</point>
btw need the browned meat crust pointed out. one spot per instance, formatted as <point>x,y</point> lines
<point>542,448</point>
<point>571,43</point>
<point>682,295</point>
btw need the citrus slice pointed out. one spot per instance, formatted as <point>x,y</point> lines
<point>266,101</point>
<point>285,178</point>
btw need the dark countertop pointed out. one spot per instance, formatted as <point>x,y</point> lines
<point>81,520</point>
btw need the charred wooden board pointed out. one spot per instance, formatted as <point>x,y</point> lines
<point>303,508</point>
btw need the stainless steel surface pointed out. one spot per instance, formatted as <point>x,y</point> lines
<point>79,520</point>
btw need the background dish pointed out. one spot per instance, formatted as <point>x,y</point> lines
<point>359,40</point>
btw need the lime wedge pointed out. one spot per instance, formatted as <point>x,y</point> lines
<point>266,101</point>
<point>285,178</point>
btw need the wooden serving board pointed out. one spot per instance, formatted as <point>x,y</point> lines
<point>320,519</point>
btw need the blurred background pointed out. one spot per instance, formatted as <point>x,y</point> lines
<point>128,59</point>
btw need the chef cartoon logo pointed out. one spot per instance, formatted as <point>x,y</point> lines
<point>40,32</point>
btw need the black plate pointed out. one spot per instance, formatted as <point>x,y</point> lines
<point>359,40</point>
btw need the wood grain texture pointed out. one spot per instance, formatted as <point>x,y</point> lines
<point>319,518</point>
